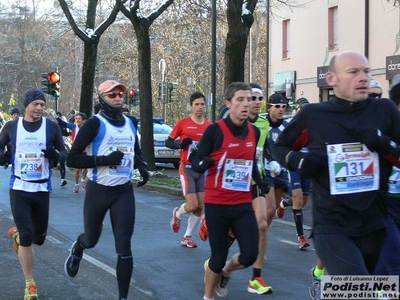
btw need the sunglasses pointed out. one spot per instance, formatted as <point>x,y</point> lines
<point>115,94</point>
<point>374,95</point>
<point>278,105</point>
<point>254,98</point>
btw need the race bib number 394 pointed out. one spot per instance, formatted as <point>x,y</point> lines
<point>352,168</point>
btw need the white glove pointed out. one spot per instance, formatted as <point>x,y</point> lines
<point>259,151</point>
<point>53,113</point>
<point>274,168</point>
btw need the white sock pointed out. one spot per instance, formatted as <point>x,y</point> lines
<point>181,211</point>
<point>193,221</point>
<point>225,273</point>
<point>206,298</point>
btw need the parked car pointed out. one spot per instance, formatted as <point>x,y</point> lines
<point>163,154</point>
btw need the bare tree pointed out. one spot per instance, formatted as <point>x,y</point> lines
<point>240,19</point>
<point>90,37</point>
<point>141,25</point>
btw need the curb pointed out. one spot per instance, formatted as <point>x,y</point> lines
<point>163,189</point>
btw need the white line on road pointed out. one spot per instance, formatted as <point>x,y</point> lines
<point>53,239</point>
<point>305,227</point>
<point>293,243</point>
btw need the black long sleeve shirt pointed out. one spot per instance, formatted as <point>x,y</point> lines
<point>77,158</point>
<point>337,122</point>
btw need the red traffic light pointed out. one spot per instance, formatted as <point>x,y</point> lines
<point>53,77</point>
<point>131,93</point>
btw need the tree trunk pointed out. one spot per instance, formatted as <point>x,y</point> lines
<point>146,102</point>
<point>239,25</point>
<point>88,75</point>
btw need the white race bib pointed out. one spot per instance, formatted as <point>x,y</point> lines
<point>352,168</point>
<point>237,174</point>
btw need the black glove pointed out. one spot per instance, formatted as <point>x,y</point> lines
<point>307,164</point>
<point>113,159</point>
<point>3,159</point>
<point>143,172</point>
<point>205,164</point>
<point>186,142</point>
<point>374,142</point>
<point>310,166</point>
<point>51,153</point>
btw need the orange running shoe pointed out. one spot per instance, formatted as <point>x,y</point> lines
<point>303,243</point>
<point>14,235</point>
<point>203,230</point>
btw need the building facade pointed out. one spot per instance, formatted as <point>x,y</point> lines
<point>304,39</point>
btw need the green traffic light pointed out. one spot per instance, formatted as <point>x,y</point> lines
<point>171,94</point>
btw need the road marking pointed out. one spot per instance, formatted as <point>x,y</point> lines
<point>99,264</point>
<point>111,271</point>
<point>53,239</point>
<point>305,227</point>
<point>295,244</point>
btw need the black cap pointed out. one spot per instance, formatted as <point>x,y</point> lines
<point>276,99</point>
<point>302,101</point>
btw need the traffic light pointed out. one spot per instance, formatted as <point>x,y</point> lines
<point>160,91</point>
<point>54,84</point>
<point>45,83</point>
<point>136,99</point>
<point>171,93</point>
<point>125,98</point>
<point>131,95</point>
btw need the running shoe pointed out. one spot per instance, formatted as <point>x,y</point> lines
<point>203,230</point>
<point>258,286</point>
<point>315,286</point>
<point>76,188</point>
<point>14,235</point>
<point>63,182</point>
<point>222,287</point>
<point>175,221</point>
<point>31,291</point>
<point>188,242</point>
<point>280,211</point>
<point>83,183</point>
<point>71,265</point>
<point>303,243</point>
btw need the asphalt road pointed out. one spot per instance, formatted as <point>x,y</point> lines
<point>163,268</point>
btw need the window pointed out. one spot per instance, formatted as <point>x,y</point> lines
<point>333,28</point>
<point>286,39</point>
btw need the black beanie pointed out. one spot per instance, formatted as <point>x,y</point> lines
<point>33,94</point>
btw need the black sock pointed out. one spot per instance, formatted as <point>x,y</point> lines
<point>78,249</point>
<point>256,273</point>
<point>298,220</point>
<point>124,274</point>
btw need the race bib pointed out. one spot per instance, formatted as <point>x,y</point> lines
<point>126,162</point>
<point>394,181</point>
<point>31,165</point>
<point>237,174</point>
<point>352,168</point>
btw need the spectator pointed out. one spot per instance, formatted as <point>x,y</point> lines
<point>15,113</point>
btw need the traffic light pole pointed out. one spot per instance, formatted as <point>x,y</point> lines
<point>162,66</point>
<point>56,100</point>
